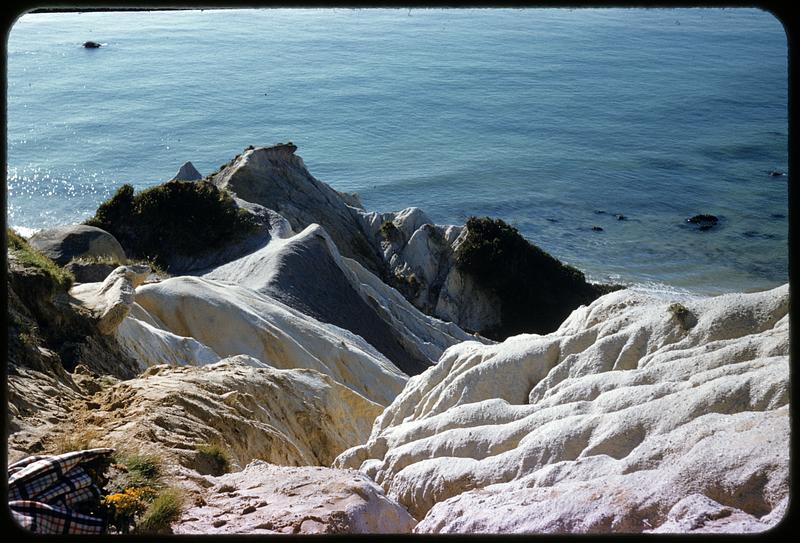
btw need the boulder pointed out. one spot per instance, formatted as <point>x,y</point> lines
<point>605,425</point>
<point>268,499</point>
<point>64,243</point>
<point>111,300</point>
<point>187,172</point>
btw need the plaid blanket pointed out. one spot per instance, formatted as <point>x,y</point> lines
<point>43,489</point>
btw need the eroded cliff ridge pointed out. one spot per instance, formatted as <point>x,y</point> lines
<point>324,357</point>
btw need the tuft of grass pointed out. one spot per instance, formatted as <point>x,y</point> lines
<point>97,260</point>
<point>154,266</point>
<point>212,459</point>
<point>681,314</point>
<point>30,257</point>
<point>389,231</point>
<point>78,440</point>
<point>161,513</point>
<point>140,469</point>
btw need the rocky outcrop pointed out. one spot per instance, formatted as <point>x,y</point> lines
<point>111,300</point>
<point>484,276</point>
<point>229,320</point>
<point>277,179</point>
<point>65,243</point>
<point>187,172</point>
<point>306,272</point>
<point>421,260</point>
<point>267,499</point>
<point>290,417</point>
<point>178,221</point>
<point>626,419</point>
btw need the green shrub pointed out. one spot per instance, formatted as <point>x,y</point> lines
<point>30,257</point>
<point>175,218</point>
<point>139,469</point>
<point>212,459</point>
<point>537,292</point>
<point>389,231</point>
<point>161,513</point>
<point>681,314</point>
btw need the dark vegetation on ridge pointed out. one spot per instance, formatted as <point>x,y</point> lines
<point>174,218</point>
<point>537,292</point>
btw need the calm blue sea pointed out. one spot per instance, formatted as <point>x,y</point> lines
<point>552,119</point>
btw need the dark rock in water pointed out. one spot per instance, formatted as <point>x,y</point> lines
<point>91,45</point>
<point>64,243</point>
<point>704,222</point>
<point>702,219</point>
<point>597,229</point>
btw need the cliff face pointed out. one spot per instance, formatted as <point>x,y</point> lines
<point>635,415</point>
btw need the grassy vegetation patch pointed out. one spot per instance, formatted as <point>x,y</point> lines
<point>161,512</point>
<point>174,218</point>
<point>136,498</point>
<point>681,314</point>
<point>537,292</point>
<point>390,232</point>
<point>212,459</point>
<point>31,258</point>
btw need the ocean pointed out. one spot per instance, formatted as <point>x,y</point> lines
<point>555,120</point>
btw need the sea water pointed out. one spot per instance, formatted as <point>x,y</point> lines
<point>554,120</point>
